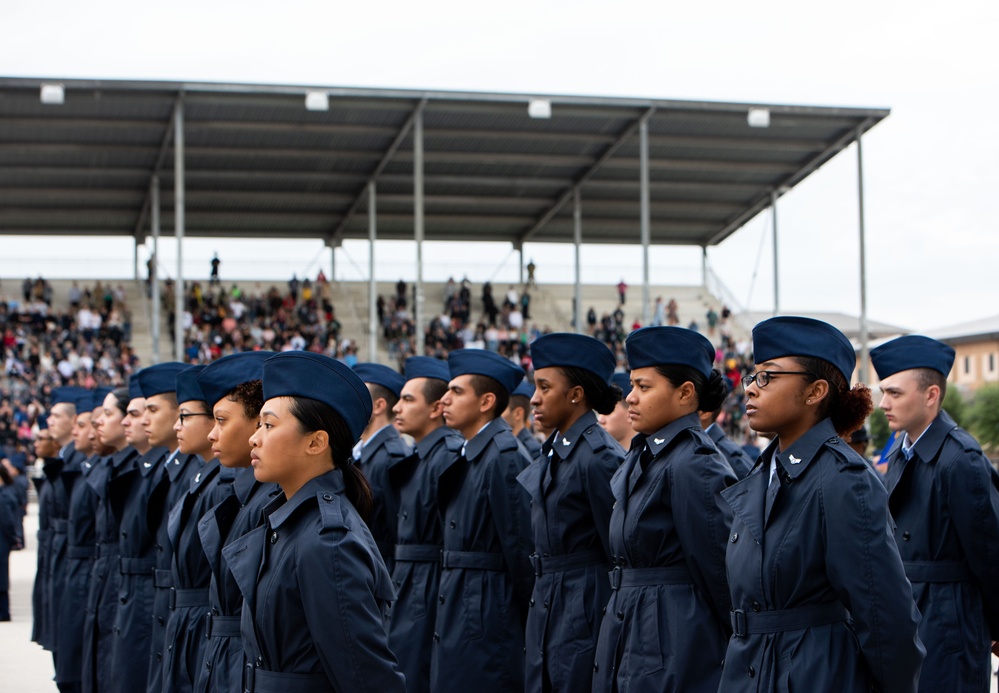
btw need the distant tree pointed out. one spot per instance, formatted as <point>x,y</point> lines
<point>983,417</point>
<point>879,428</point>
<point>955,405</point>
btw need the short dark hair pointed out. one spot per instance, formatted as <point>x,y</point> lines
<point>600,395</point>
<point>251,395</point>
<point>482,384</point>
<point>382,392</point>
<point>710,390</point>
<point>925,377</point>
<point>520,402</point>
<point>433,389</point>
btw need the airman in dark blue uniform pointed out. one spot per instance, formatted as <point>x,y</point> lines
<point>379,450</point>
<point>616,423</point>
<point>667,621</point>
<point>314,586</point>
<point>11,536</point>
<point>233,387</point>
<point>416,574</point>
<point>737,458</point>
<point>571,501</point>
<point>486,576</point>
<point>818,591</point>
<point>944,497</point>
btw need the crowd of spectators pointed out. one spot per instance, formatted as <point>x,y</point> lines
<point>218,320</point>
<point>49,341</point>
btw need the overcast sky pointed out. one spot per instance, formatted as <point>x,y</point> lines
<point>930,167</point>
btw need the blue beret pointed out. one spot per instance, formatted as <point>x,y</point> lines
<point>623,381</point>
<point>377,374</point>
<point>488,363</point>
<point>577,350</point>
<point>318,377</point>
<point>134,389</point>
<point>220,377</point>
<point>42,421</point>
<point>68,395</point>
<point>99,395</point>
<point>159,378</point>
<point>427,367</point>
<point>655,346</point>
<point>795,336</point>
<point>525,389</point>
<point>912,351</point>
<point>85,402</point>
<point>19,462</point>
<point>188,389</point>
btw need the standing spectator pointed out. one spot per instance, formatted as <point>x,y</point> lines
<point>622,291</point>
<point>530,273</point>
<point>214,279</point>
<point>591,319</point>
<point>525,304</point>
<point>512,298</point>
<point>659,313</point>
<point>293,284</point>
<point>489,304</point>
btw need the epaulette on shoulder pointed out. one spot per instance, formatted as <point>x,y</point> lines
<point>454,443</point>
<point>964,439</point>
<point>702,440</point>
<point>396,447</point>
<point>595,438</point>
<point>506,442</point>
<point>843,454</point>
<point>331,511</point>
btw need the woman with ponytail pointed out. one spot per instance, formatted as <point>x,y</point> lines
<point>819,594</point>
<point>315,588</point>
<point>667,621</point>
<point>569,485</point>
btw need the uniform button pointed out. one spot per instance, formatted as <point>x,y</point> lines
<point>756,606</point>
<point>405,514</point>
<point>260,661</point>
<point>531,603</point>
<point>169,648</point>
<point>752,672</point>
<point>123,600</point>
<point>208,666</point>
<point>441,598</point>
<point>735,537</point>
<point>905,536</point>
<point>327,497</point>
<point>159,620</point>
<point>273,537</point>
<point>453,524</point>
<point>546,604</point>
<point>544,555</point>
<point>596,667</point>
<point>620,615</point>
<point>124,534</point>
<point>437,637</point>
<point>159,657</point>
<point>215,612</point>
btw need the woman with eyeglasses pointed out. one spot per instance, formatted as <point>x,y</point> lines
<point>819,595</point>
<point>315,588</point>
<point>667,621</point>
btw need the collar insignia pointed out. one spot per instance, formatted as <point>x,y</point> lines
<point>197,478</point>
<point>658,441</point>
<point>147,465</point>
<point>794,460</point>
<point>565,442</point>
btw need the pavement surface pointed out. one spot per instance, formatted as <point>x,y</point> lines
<point>24,666</point>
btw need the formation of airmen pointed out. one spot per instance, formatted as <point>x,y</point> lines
<point>259,524</point>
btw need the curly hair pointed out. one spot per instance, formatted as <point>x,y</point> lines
<point>848,408</point>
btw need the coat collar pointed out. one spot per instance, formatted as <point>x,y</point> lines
<point>121,458</point>
<point>244,484</point>
<point>279,509</point>
<point>424,447</point>
<point>796,459</point>
<point>665,435</point>
<point>564,443</point>
<point>714,432</point>
<point>150,461</point>
<point>384,434</point>
<point>927,448</point>
<point>207,472</point>
<point>475,447</point>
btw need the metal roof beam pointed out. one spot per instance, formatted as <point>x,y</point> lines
<point>160,158</point>
<point>337,235</point>
<point>578,184</point>
<point>764,200</point>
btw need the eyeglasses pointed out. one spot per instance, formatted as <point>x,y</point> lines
<point>184,417</point>
<point>763,378</point>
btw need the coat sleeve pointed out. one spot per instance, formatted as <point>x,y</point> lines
<point>973,500</point>
<point>865,570</point>
<point>703,521</point>
<point>511,513</point>
<point>597,477</point>
<point>336,575</point>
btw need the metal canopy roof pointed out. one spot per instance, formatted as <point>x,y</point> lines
<point>257,163</point>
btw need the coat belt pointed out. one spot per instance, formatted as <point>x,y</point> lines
<point>60,526</point>
<point>81,551</point>
<point>473,560</point>
<point>544,565</point>
<point>181,599</point>
<point>261,681</point>
<point>639,577</point>
<point>137,566</point>
<point>418,553</point>
<point>107,548</point>
<point>222,626</point>
<point>936,571</point>
<point>776,621</point>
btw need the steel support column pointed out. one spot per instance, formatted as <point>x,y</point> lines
<point>135,258</point>
<point>154,272</point>
<point>577,241</point>
<point>773,218</point>
<point>178,215</point>
<point>704,266</point>
<point>418,227</point>
<point>372,283</point>
<point>646,217</point>
<point>864,337</point>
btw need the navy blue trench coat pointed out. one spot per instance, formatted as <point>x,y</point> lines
<point>186,628</point>
<point>667,620</point>
<point>417,571</point>
<point>571,501</point>
<point>383,451</point>
<point>315,592</point>
<point>738,459</point>
<point>237,514</point>
<point>945,503</point>
<point>818,589</point>
<point>105,579</point>
<point>486,576</point>
<point>529,442</point>
<point>41,621</point>
<point>178,470</point>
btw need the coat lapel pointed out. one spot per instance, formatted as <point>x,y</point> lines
<point>746,500</point>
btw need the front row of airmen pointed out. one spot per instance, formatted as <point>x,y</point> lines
<point>258,524</point>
